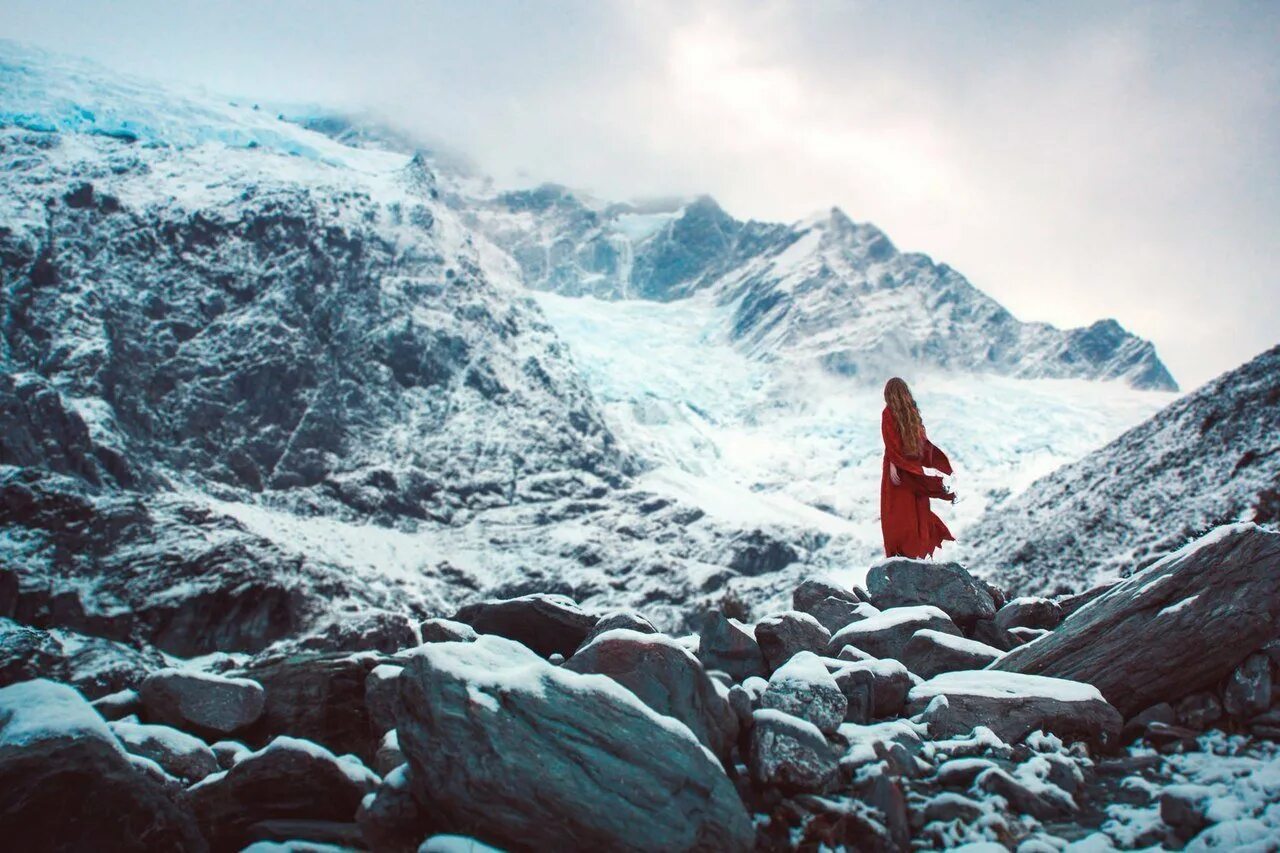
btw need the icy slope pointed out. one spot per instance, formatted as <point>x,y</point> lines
<point>1210,458</point>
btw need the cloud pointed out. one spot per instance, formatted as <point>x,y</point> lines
<point>1074,161</point>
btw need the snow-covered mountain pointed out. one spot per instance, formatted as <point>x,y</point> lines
<point>1210,458</point>
<point>258,374</point>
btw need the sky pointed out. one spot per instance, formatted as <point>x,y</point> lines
<point>1075,161</point>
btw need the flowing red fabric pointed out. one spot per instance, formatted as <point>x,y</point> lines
<point>910,528</point>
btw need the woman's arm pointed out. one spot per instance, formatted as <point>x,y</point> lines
<point>893,447</point>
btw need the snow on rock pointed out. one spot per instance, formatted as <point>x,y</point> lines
<point>790,753</point>
<point>903,582</point>
<point>548,624</point>
<point>201,701</point>
<point>782,635</point>
<point>803,688</point>
<point>485,723</point>
<point>874,689</point>
<point>179,753</point>
<point>886,634</point>
<point>929,653</point>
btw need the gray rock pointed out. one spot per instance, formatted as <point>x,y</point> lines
<point>886,634</point>
<point>903,582</point>
<point>803,688</point>
<point>1030,612</point>
<point>67,784</point>
<point>1045,802</point>
<point>180,754</point>
<point>629,619</point>
<point>393,820</point>
<point>1199,710</point>
<point>1022,636</point>
<point>783,634</point>
<point>545,623</point>
<point>987,631</point>
<point>201,702</point>
<point>228,752</point>
<point>831,604</point>
<point>1136,726</point>
<point>929,653</point>
<point>484,724</point>
<point>439,630</point>
<point>115,706</point>
<point>726,644</point>
<point>1178,626</point>
<point>1073,602</point>
<point>382,695</point>
<point>1013,705</point>
<point>1182,809</point>
<point>887,681</point>
<point>960,772</point>
<point>289,779</point>
<point>1248,690</point>
<point>389,755</point>
<point>854,654</point>
<point>666,677</point>
<point>950,806</point>
<point>1266,725</point>
<point>790,754</point>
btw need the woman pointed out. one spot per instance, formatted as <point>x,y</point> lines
<point>910,528</point>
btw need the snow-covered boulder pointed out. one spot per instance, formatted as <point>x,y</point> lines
<point>665,676</point>
<point>548,624</point>
<point>886,634</point>
<point>903,582</point>
<point>66,783</point>
<point>628,619</point>
<point>885,682</point>
<point>803,688</point>
<point>1177,627</point>
<point>790,754</point>
<point>371,630</point>
<point>122,703</point>
<point>288,779</point>
<point>201,701</point>
<point>831,604</point>
<point>930,652</point>
<point>391,818</point>
<point>783,634</point>
<point>382,695</point>
<point>1029,612</point>
<point>228,752</point>
<point>1013,705</point>
<point>486,724</point>
<point>730,646</point>
<point>93,665</point>
<point>180,754</point>
<point>440,630</point>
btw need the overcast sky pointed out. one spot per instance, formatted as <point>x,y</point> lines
<point>1074,160</point>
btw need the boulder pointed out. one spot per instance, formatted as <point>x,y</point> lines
<point>486,724</point>
<point>446,631</point>
<point>1043,801</point>
<point>887,682</point>
<point>392,820</point>
<point>790,754</point>
<point>200,701</point>
<point>628,619</point>
<point>803,688</point>
<point>1013,705</point>
<point>988,632</point>
<point>1029,612</point>
<point>1136,726</point>
<point>730,646</point>
<point>66,783</point>
<point>289,779</point>
<point>1182,809</point>
<point>548,624</point>
<point>1199,710</point>
<point>665,676</point>
<point>886,634</point>
<point>115,706</point>
<point>783,634</point>
<point>178,753</point>
<point>929,653</point>
<point>93,665</point>
<point>228,752</point>
<point>1178,626</point>
<point>382,695</point>
<point>1022,636</point>
<point>317,697</point>
<point>1073,602</point>
<point>364,631</point>
<point>831,604</point>
<point>1248,690</point>
<point>904,582</point>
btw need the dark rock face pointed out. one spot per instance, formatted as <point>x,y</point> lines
<point>790,754</point>
<point>486,724</point>
<point>887,634</point>
<point>201,702</point>
<point>667,678</point>
<point>66,784</point>
<point>178,753</point>
<point>1175,628</point>
<point>1013,706</point>
<point>548,624</point>
<point>832,605</point>
<point>929,653</point>
<point>1248,690</point>
<point>727,645</point>
<point>1199,710</point>
<point>93,665</point>
<point>291,779</point>
<point>783,634</point>
<point>901,582</point>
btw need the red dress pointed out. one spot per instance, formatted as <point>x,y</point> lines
<point>910,527</point>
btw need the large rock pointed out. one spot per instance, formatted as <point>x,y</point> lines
<point>1179,626</point>
<point>548,624</point>
<point>1029,612</point>
<point>66,783</point>
<point>1248,690</point>
<point>201,701</point>
<point>665,676</point>
<point>178,753</point>
<point>728,645</point>
<point>317,697</point>
<point>783,634</point>
<point>519,753</point>
<point>831,604</point>
<point>887,682</point>
<point>903,582</point>
<point>93,665</point>
<point>929,653</point>
<point>440,630</point>
<point>790,754</point>
<point>886,634</point>
<point>289,779</point>
<point>620,619</point>
<point>803,688</point>
<point>1013,705</point>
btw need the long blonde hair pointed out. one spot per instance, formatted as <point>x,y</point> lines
<point>897,396</point>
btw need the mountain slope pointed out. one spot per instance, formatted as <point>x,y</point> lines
<point>1210,458</point>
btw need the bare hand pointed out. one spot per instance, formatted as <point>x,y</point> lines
<point>893,475</point>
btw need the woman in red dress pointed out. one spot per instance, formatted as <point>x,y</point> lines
<point>910,527</point>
